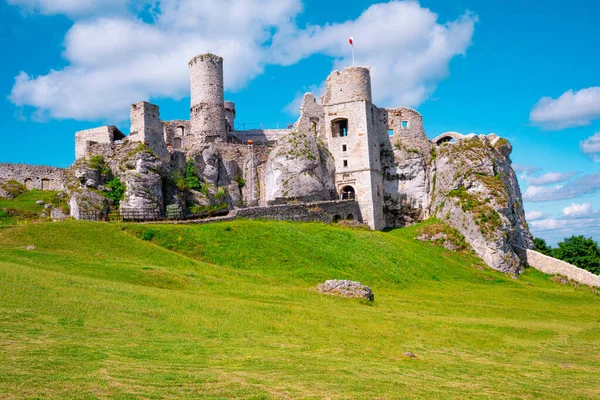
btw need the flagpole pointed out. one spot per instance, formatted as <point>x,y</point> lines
<point>351,41</point>
<point>353,55</point>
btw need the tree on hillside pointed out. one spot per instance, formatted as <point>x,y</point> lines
<point>580,251</point>
<point>542,246</point>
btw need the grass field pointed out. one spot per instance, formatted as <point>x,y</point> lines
<point>229,310</point>
<point>23,208</point>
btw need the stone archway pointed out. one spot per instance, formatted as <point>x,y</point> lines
<point>347,193</point>
<point>448,137</point>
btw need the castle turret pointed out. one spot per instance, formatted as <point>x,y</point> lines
<point>352,84</point>
<point>207,113</point>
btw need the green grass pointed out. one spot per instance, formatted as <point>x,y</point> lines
<point>23,209</point>
<point>229,310</point>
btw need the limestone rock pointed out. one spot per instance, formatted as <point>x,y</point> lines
<point>88,177</point>
<point>476,192</point>
<point>40,202</point>
<point>143,184</point>
<point>57,214</point>
<point>300,167</point>
<point>344,288</point>
<point>86,204</point>
<point>5,194</point>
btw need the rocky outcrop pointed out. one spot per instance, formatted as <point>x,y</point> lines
<point>348,289</point>
<point>89,205</point>
<point>143,182</point>
<point>300,167</point>
<point>476,192</point>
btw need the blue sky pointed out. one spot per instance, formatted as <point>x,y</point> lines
<point>524,70</point>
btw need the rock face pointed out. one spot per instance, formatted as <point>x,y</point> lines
<point>348,289</point>
<point>86,204</point>
<point>143,184</point>
<point>476,192</point>
<point>299,167</point>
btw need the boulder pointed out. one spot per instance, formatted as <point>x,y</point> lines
<point>57,214</point>
<point>300,167</point>
<point>144,191</point>
<point>40,202</point>
<point>87,176</point>
<point>348,289</point>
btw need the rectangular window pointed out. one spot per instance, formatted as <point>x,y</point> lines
<point>404,124</point>
<point>390,132</point>
<point>344,148</point>
<point>345,163</point>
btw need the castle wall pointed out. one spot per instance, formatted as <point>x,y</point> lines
<point>176,134</point>
<point>147,128</point>
<point>207,112</point>
<point>321,211</point>
<point>261,136</point>
<point>33,176</point>
<point>229,107</point>
<point>104,134</point>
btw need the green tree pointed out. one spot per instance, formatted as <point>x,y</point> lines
<point>580,251</point>
<point>117,190</point>
<point>191,177</point>
<point>542,246</point>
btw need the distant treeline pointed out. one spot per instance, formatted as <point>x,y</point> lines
<point>577,250</point>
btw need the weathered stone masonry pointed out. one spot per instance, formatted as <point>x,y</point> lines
<point>33,176</point>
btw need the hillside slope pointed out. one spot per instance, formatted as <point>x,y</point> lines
<point>228,310</point>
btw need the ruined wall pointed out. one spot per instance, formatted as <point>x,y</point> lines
<point>207,112</point>
<point>33,176</point>
<point>322,211</point>
<point>229,107</point>
<point>104,134</point>
<point>147,128</point>
<point>552,266</point>
<point>261,136</point>
<point>176,134</point>
<point>406,166</point>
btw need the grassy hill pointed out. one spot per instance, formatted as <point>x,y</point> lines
<point>229,310</point>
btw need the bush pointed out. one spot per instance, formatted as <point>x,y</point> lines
<point>191,176</point>
<point>117,190</point>
<point>147,235</point>
<point>580,251</point>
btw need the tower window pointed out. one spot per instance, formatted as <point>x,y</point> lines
<point>390,132</point>
<point>404,124</point>
<point>177,143</point>
<point>344,148</point>
<point>339,127</point>
<point>345,163</point>
<point>180,130</point>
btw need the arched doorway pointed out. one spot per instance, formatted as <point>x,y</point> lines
<point>350,217</point>
<point>347,193</point>
<point>177,143</point>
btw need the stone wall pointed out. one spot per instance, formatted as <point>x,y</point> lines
<point>552,266</point>
<point>85,139</point>
<point>321,211</point>
<point>147,128</point>
<point>33,176</point>
<point>261,136</point>
<point>351,84</point>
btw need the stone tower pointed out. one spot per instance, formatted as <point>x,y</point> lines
<point>352,134</point>
<point>207,112</point>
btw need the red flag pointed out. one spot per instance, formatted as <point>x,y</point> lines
<point>351,41</point>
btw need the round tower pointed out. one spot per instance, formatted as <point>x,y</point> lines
<point>230,115</point>
<point>352,84</point>
<point>207,114</point>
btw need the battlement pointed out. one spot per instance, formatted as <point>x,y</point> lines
<point>206,57</point>
<point>351,84</point>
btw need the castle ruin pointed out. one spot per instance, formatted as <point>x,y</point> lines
<point>344,156</point>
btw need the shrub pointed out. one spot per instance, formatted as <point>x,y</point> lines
<point>580,251</point>
<point>147,235</point>
<point>191,176</point>
<point>117,190</point>
<point>240,181</point>
<point>541,246</point>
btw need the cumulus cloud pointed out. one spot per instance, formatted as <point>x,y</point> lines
<point>555,229</point>
<point>591,146</point>
<point>526,169</point>
<point>405,46</point>
<point>569,110</point>
<point>535,215</point>
<point>548,178</point>
<point>578,210</point>
<point>582,185</point>
<point>117,60</point>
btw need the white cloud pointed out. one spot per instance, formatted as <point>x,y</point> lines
<point>118,59</point>
<point>554,229</point>
<point>582,185</point>
<point>70,7</point>
<point>569,110</point>
<point>578,210</point>
<point>548,178</point>
<point>526,169</point>
<point>407,49</point>
<point>591,146</point>
<point>534,215</point>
